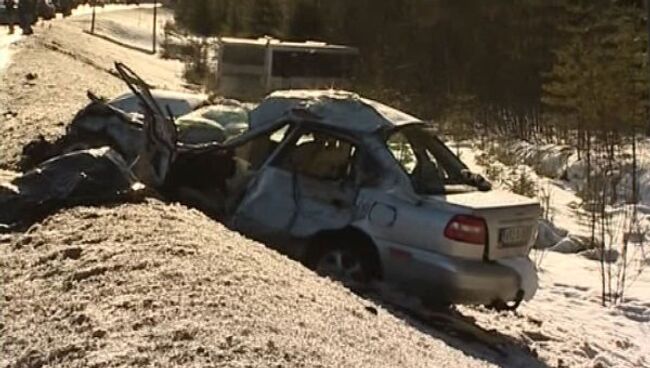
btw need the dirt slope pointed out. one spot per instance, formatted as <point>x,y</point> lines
<point>161,285</point>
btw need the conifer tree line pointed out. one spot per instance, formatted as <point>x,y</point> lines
<point>559,69</point>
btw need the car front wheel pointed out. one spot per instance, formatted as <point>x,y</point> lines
<point>344,264</point>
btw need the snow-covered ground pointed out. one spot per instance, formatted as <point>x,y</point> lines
<point>574,327</point>
<point>544,165</point>
<point>566,325</point>
<point>5,51</point>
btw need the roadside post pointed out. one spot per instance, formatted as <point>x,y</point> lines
<point>155,24</point>
<point>92,22</point>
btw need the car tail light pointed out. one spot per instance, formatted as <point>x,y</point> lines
<point>467,229</point>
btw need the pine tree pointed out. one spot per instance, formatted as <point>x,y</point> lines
<point>266,18</point>
<point>194,15</point>
<point>307,21</point>
<point>598,77</point>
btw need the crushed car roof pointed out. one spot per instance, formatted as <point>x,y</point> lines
<point>341,109</point>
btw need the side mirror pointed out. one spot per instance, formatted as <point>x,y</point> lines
<point>482,184</point>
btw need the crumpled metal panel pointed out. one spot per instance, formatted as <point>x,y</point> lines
<point>83,176</point>
<point>122,130</point>
<point>278,203</point>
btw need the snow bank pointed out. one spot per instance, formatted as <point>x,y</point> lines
<point>548,160</point>
<point>561,162</point>
<point>559,176</point>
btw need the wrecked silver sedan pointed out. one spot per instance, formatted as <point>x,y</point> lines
<point>357,191</point>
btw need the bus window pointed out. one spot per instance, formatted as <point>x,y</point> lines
<point>243,69</point>
<point>312,64</point>
<point>243,55</point>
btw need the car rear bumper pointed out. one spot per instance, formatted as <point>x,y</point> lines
<point>438,278</point>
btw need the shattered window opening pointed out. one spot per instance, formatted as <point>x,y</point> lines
<point>258,150</point>
<point>319,156</point>
<point>431,167</point>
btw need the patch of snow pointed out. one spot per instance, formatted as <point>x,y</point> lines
<point>574,329</point>
<point>5,51</point>
<point>567,325</point>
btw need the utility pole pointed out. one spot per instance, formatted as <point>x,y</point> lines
<point>635,184</point>
<point>155,25</point>
<point>92,22</point>
<point>647,23</point>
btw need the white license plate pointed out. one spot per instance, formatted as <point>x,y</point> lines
<point>514,236</point>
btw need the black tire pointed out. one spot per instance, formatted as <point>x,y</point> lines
<point>353,265</point>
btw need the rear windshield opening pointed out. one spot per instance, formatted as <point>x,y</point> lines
<point>432,167</point>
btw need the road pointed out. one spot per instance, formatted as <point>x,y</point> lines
<point>137,27</point>
<point>128,25</point>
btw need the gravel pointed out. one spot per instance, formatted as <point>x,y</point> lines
<point>161,285</point>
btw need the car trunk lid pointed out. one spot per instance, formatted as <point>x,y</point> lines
<point>511,220</point>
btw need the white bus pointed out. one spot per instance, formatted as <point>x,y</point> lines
<point>251,68</point>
